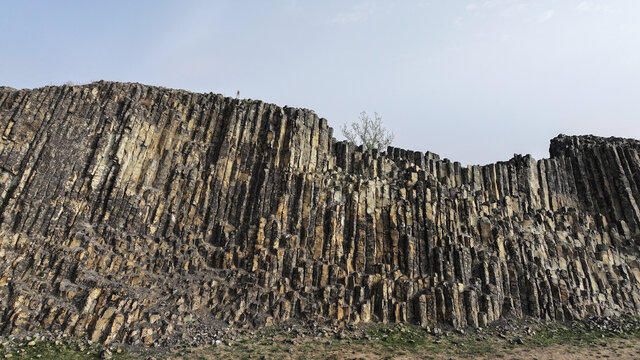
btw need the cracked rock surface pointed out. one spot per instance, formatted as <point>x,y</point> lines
<point>139,214</point>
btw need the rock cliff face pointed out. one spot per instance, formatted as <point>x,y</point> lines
<point>133,213</point>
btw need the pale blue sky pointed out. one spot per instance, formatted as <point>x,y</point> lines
<point>474,81</point>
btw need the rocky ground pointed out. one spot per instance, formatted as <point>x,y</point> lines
<point>592,338</point>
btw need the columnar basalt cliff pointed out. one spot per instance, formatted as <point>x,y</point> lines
<point>133,213</point>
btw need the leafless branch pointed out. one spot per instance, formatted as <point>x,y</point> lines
<point>368,132</point>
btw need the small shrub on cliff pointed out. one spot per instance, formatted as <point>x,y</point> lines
<point>368,132</point>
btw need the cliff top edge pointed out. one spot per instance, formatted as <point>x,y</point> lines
<point>561,145</point>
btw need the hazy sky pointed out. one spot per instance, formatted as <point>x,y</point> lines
<point>474,81</point>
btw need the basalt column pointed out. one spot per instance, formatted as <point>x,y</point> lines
<point>133,213</point>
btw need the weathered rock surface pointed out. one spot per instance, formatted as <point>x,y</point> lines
<point>133,213</point>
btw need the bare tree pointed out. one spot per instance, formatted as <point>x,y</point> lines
<point>368,132</point>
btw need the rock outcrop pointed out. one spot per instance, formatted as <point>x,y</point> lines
<point>133,213</point>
